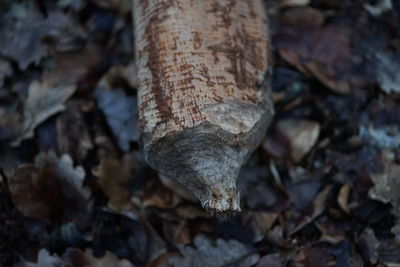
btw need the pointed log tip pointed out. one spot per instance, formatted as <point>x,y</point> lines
<point>227,205</point>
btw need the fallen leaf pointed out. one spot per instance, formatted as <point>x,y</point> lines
<point>272,260</point>
<point>276,237</point>
<point>254,188</point>
<point>191,212</point>
<point>42,102</point>
<point>330,233</point>
<point>301,134</point>
<point>45,259</point>
<point>205,254</point>
<point>276,145</point>
<point>317,207</point>
<point>343,198</point>
<point>264,220</point>
<point>156,195</point>
<point>369,245</point>
<point>75,67</point>
<point>321,52</point>
<point>302,17</point>
<point>315,256</point>
<point>386,137</point>
<point>387,182</point>
<point>116,178</point>
<point>157,245</point>
<point>109,259</point>
<point>379,8</point>
<point>120,111</point>
<point>387,70</point>
<point>302,193</point>
<point>51,189</point>
<point>10,119</point>
<point>24,35</point>
<point>262,223</point>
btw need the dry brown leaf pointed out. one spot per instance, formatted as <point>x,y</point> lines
<point>321,52</point>
<point>264,220</point>
<point>302,17</point>
<point>115,178</point>
<point>43,101</point>
<point>328,78</point>
<point>191,212</point>
<point>315,256</point>
<point>109,259</point>
<point>277,237</point>
<point>51,189</point>
<point>157,195</point>
<point>318,206</point>
<point>330,233</point>
<point>301,134</point>
<point>73,67</point>
<point>343,198</point>
<point>272,260</point>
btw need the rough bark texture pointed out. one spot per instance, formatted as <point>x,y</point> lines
<point>204,102</point>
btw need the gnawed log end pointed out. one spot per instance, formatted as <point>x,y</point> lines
<point>206,159</point>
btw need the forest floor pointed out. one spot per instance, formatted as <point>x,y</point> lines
<point>323,189</point>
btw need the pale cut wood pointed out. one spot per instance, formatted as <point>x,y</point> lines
<point>204,103</point>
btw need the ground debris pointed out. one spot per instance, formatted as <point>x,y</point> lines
<point>322,190</point>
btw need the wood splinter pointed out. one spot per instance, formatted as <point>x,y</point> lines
<point>204,102</point>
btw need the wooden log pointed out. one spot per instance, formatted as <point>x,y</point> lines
<point>204,101</point>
